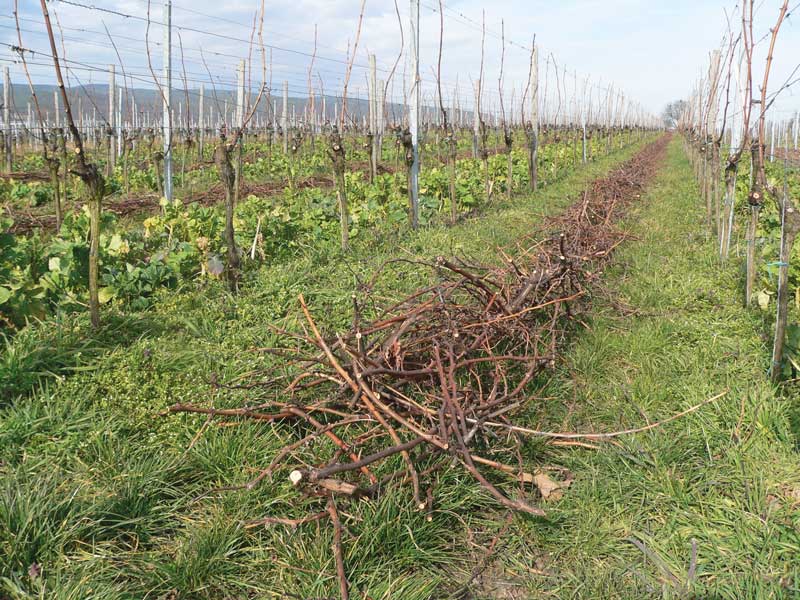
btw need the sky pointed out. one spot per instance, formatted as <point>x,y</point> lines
<point>653,51</point>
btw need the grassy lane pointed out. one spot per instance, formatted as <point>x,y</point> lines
<point>667,334</point>
<point>99,497</point>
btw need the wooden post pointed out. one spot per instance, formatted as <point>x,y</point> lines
<point>414,115</point>
<point>285,117</point>
<point>373,114</point>
<point>7,118</point>
<point>791,227</point>
<point>118,122</point>
<point>534,133</point>
<point>240,95</point>
<point>201,121</point>
<point>57,108</point>
<point>112,87</point>
<point>167,100</point>
<point>772,143</point>
<point>381,118</point>
<point>711,130</point>
<point>476,120</point>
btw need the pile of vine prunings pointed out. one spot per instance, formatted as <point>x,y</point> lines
<point>435,378</point>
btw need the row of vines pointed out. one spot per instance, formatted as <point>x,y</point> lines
<point>91,217</point>
<point>747,162</point>
<point>163,244</point>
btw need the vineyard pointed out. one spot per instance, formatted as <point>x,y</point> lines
<point>490,329</point>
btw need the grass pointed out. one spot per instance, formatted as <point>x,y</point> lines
<point>669,334</point>
<point>99,496</point>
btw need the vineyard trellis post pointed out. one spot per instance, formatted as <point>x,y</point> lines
<point>583,139</point>
<point>7,118</point>
<point>112,86</point>
<point>240,95</point>
<point>448,128</point>
<point>285,118</point>
<point>373,116</point>
<point>476,120</point>
<point>738,139</point>
<point>233,261</point>
<point>534,127</point>
<point>414,116</point>
<point>57,108</point>
<point>790,215</point>
<point>118,121</point>
<point>790,227</point>
<point>167,97</point>
<point>772,142</point>
<point>796,129</point>
<point>712,151</point>
<point>381,118</point>
<point>200,122</point>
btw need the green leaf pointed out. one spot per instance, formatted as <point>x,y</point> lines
<point>115,243</point>
<point>763,300</point>
<point>5,294</point>
<point>106,294</point>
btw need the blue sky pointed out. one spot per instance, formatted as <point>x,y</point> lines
<point>653,50</point>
